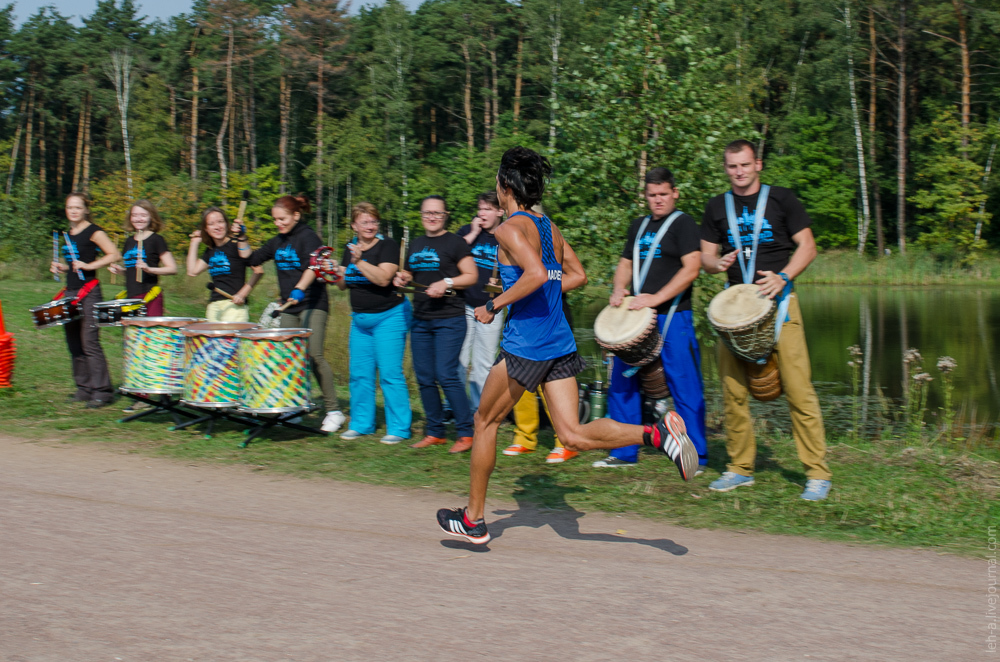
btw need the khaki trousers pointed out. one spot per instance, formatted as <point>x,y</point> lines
<point>527,419</point>
<point>792,356</point>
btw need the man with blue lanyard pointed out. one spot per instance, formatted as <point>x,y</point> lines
<point>661,259</point>
<point>765,237</point>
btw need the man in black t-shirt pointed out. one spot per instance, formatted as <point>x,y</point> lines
<point>674,259</point>
<point>782,250</point>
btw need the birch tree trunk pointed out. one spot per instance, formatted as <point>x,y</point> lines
<point>986,180</point>
<point>85,176</point>
<point>29,134</point>
<point>555,18</point>
<point>469,127</point>
<point>285,111</point>
<point>518,77</point>
<point>858,137</point>
<point>901,132</point>
<point>220,137</point>
<point>16,149</point>
<point>119,70</point>
<point>872,101</point>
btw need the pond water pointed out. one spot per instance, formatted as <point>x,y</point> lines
<point>960,322</point>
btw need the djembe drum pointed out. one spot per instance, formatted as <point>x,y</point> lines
<point>745,322</point>
<point>633,336</point>
<point>211,355</point>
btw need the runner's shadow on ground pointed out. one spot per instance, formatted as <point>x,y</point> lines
<point>558,515</point>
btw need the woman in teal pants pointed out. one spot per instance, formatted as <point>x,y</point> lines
<point>380,321</point>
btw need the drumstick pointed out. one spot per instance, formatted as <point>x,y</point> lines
<point>72,254</point>
<point>241,212</point>
<point>490,287</point>
<point>402,256</point>
<point>55,251</point>
<point>213,288</point>
<point>138,256</point>
<point>277,311</point>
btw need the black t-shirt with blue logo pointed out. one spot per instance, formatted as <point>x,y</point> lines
<point>227,269</point>
<point>85,250</point>
<point>153,247</point>
<point>784,217</point>
<point>290,253</point>
<point>484,252</point>
<point>366,296</point>
<point>682,238</point>
<point>431,259</point>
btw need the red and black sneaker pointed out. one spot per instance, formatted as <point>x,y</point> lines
<point>456,523</point>
<point>670,436</point>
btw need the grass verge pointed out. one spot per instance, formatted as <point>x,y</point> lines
<point>917,267</point>
<point>883,492</point>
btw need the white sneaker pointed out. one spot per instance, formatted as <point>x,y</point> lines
<point>333,421</point>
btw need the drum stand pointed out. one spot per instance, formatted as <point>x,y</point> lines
<point>165,404</point>
<point>265,422</point>
<point>210,415</point>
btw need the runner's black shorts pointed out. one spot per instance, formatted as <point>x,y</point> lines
<point>530,374</point>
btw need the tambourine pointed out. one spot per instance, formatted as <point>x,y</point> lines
<point>318,261</point>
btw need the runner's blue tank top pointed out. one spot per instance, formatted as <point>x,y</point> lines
<point>536,327</point>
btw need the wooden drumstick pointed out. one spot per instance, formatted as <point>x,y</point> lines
<point>288,304</point>
<point>402,257</point>
<point>213,288</point>
<point>138,257</point>
<point>72,254</point>
<point>55,251</point>
<point>240,213</point>
<point>490,287</point>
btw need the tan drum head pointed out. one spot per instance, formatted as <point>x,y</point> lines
<point>738,306</point>
<point>615,326</point>
<point>173,322</point>
<point>218,329</point>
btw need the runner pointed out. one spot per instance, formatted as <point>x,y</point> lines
<point>538,349</point>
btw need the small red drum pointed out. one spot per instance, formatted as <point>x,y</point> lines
<point>55,313</point>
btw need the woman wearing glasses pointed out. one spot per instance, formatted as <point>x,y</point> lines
<point>380,319</point>
<point>439,263</point>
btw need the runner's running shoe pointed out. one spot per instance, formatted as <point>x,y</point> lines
<point>456,523</point>
<point>670,436</point>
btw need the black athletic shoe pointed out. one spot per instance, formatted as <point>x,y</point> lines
<point>671,433</point>
<point>455,523</point>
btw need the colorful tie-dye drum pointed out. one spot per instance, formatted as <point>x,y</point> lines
<point>211,354</point>
<point>274,370</point>
<point>154,354</point>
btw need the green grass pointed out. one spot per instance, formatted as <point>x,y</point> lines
<point>883,493</point>
<point>917,267</point>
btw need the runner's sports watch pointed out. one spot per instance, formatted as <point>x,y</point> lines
<point>489,307</point>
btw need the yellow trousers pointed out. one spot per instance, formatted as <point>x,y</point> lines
<point>227,311</point>
<point>792,356</point>
<point>526,420</point>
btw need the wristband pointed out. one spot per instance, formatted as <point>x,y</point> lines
<point>489,307</point>
<point>784,277</point>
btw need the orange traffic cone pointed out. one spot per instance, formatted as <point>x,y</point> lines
<point>6,354</point>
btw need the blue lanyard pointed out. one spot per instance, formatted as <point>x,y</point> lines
<point>748,264</point>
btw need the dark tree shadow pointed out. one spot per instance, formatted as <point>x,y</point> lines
<point>557,514</point>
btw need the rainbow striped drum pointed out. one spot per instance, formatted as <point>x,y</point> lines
<point>211,354</point>
<point>274,370</point>
<point>154,354</point>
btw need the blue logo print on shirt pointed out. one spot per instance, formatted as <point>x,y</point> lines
<point>218,264</point>
<point>426,260</point>
<point>286,259</point>
<point>485,255</point>
<point>353,276</point>
<point>130,255</point>
<point>745,224</point>
<point>645,243</point>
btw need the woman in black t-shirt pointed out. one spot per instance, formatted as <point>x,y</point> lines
<point>224,263</point>
<point>90,368</point>
<point>379,323</point>
<point>298,286</point>
<point>146,256</point>
<point>435,263</point>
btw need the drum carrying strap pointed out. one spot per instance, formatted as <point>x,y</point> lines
<point>639,274</point>
<point>81,294</point>
<point>152,294</point>
<point>748,263</point>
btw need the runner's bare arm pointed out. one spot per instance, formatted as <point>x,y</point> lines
<point>522,253</point>
<point>573,274</point>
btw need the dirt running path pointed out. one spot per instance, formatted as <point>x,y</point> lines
<point>107,556</point>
